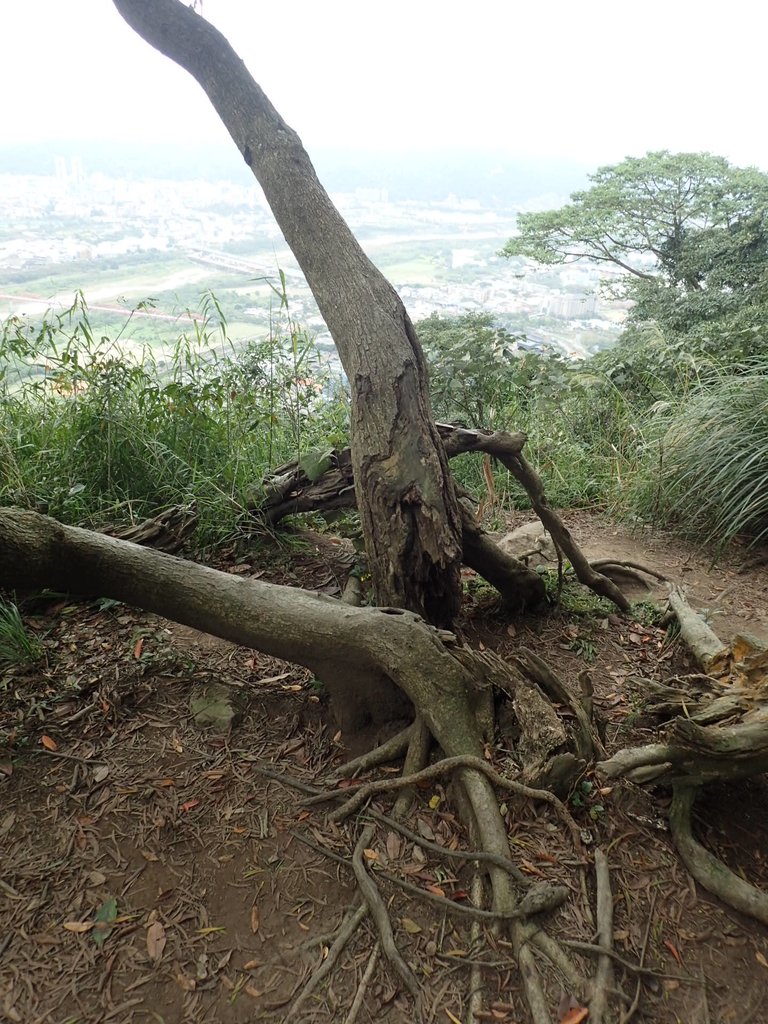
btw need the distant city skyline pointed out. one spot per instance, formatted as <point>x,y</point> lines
<point>590,82</point>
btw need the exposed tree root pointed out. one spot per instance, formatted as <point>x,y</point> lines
<point>481,856</point>
<point>603,982</point>
<point>717,735</point>
<point>344,934</point>
<point>637,570</point>
<point>708,871</point>
<point>449,764</point>
<point>390,750</point>
<point>362,988</point>
<point>378,912</point>
<point>475,1001</point>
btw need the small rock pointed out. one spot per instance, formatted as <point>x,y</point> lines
<point>213,706</point>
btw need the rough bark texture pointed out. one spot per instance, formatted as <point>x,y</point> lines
<point>367,657</point>
<point>409,511</point>
<point>288,491</point>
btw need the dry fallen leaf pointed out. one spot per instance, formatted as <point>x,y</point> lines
<point>761,960</point>
<point>673,950</point>
<point>410,926</point>
<point>255,919</point>
<point>393,846</point>
<point>575,1015</point>
<point>156,941</point>
<point>78,927</point>
<point>186,983</point>
<point>48,743</point>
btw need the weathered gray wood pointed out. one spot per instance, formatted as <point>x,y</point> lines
<point>408,506</point>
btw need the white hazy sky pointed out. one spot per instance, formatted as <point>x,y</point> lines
<point>591,80</point>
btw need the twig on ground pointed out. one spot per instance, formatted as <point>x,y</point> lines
<point>344,934</point>
<point>598,1006</point>
<point>632,1010</point>
<point>357,1002</point>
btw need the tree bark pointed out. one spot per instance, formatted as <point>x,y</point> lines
<point>409,512</point>
<point>372,660</point>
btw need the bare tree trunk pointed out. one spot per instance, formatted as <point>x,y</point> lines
<point>410,517</point>
<point>372,660</point>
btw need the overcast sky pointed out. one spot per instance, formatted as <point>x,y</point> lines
<point>590,80</point>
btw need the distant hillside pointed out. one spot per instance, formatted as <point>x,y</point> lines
<point>492,177</point>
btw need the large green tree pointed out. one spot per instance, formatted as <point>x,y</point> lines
<point>689,232</point>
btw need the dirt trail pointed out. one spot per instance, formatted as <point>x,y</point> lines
<point>151,871</point>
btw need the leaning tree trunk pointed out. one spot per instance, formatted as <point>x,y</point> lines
<point>409,512</point>
<point>363,655</point>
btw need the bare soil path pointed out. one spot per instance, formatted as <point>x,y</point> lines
<point>151,870</point>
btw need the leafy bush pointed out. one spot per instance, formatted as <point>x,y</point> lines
<point>89,433</point>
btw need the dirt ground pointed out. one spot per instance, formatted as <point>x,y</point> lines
<point>151,870</point>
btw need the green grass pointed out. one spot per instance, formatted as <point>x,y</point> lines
<point>102,437</point>
<point>18,647</point>
<point>705,471</point>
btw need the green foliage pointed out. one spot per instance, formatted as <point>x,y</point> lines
<point>480,377</point>
<point>18,647</point>
<point>705,465</point>
<point>688,231</point>
<point>473,374</point>
<point>90,433</point>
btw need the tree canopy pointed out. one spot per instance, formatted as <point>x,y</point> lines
<point>689,231</point>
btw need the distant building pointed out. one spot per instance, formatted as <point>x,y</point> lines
<point>572,306</point>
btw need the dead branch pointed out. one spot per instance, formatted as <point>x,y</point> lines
<point>598,1006</point>
<point>708,649</point>
<point>167,531</point>
<point>587,741</point>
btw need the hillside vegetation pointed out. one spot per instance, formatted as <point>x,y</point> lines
<point>669,426</point>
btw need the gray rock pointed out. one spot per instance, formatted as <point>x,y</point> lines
<point>530,544</point>
<point>214,707</point>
